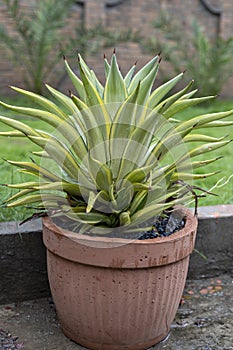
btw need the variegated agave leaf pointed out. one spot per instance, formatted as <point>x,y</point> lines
<point>113,155</point>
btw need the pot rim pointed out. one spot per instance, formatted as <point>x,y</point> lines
<point>187,214</point>
<point>121,253</point>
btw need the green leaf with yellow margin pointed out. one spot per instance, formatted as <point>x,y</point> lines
<point>115,89</point>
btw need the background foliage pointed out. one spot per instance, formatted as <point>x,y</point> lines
<point>41,40</point>
<point>208,62</point>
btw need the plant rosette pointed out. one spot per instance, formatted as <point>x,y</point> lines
<point>116,168</point>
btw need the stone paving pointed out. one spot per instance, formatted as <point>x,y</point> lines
<point>204,320</point>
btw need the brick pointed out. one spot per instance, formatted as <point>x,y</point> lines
<point>133,14</point>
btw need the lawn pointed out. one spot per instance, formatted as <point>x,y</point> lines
<point>20,149</point>
<point>224,165</point>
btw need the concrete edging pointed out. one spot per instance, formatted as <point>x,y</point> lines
<point>23,255</point>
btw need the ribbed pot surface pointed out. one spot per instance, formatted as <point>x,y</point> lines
<point>117,306</point>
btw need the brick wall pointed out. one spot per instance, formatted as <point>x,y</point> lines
<point>10,74</point>
<point>215,16</point>
<point>227,19</point>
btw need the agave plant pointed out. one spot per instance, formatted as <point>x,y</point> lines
<point>116,157</point>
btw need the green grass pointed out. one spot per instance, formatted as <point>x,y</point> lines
<point>18,149</point>
<point>224,165</point>
<point>21,149</point>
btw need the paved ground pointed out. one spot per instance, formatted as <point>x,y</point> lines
<point>204,320</point>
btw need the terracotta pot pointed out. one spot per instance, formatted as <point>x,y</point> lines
<point>116,294</point>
